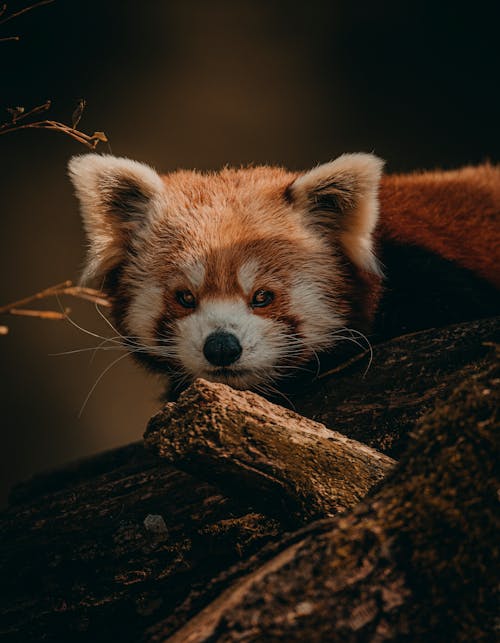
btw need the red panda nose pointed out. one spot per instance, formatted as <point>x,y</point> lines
<point>222,348</point>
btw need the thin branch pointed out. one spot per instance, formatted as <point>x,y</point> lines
<point>64,288</point>
<point>18,113</point>
<point>90,141</point>
<point>88,294</point>
<point>41,314</point>
<point>47,292</point>
<point>21,11</point>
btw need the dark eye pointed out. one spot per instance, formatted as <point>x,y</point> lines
<point>186,298</point>
<point>262,298</point>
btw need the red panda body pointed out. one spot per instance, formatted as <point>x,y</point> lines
<point>439,242</point>
<point>454,214</point>
<point>245,276</point>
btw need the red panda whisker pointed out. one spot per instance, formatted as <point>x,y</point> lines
<point>103,316</point>
<point>88,332</point>
<point>125,338</point>
<point>368,344</point>
<point>181,378</point>
<point>268,388</point>
<point>356,332</point>
<point>316,356</point>
<point>292,368</point>
<point>80,328</point>
<point>106,370</point>
<point>119,339</point>
<point>102,346</point>
<point>88,349</point>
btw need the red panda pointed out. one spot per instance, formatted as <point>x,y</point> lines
<point>244,275</point>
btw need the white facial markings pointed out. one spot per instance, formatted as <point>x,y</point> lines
<point>195,273</point>
<point>317,325</point>
<point>247,275</point>
<point>261,339</point>
<point>143,311</point>
<point>270,348</point>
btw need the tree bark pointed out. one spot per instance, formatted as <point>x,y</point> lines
<point>295,466</point>
<point>124,543</point>
<point>417,560</point>
<point>377,401</point>
<point>118,546</point>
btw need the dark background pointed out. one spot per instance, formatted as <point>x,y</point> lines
<point>203,84</point>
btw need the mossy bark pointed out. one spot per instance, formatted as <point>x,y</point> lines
<point>283,461</point>
<point>376,399</point>
<point>417,560</point>
<point>126,546</point>
<point>108,547</point>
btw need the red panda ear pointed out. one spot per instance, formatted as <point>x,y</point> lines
<point>342,196</point>
<point>116,195</point>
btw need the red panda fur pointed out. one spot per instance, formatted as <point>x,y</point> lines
<point>455,214</point>
<point>339,248</point>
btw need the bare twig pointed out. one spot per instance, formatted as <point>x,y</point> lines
<point>47,292</point>
<point>5,18</point>
<point>19,120</point>
<point>64,288</point>
<point>90,141</point>
<point>89,294</point>
<point>19,113</point>
<point>41,314</point>
<point>16,14</point>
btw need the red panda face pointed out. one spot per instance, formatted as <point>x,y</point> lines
<point>239,276</point>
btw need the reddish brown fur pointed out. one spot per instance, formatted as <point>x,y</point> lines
<point>455,214</point>
<point>224,219</point>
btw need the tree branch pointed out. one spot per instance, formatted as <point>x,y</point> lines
<point>64,288</point>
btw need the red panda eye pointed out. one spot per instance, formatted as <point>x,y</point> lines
<point>262,298</point>
<point>186,298</point>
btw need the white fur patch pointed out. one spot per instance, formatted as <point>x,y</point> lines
<point>195,273</point>
<point>142,315</point>
<point>262,340</point>
<point>317,325</point>
<point>247,274</point>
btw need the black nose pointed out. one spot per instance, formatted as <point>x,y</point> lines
<point>222,348</point>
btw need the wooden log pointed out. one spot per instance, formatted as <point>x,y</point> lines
<point>377,401</point>
<point>113,544</point>
<point>418,560</point>
<point>283,461</point>
<point>79,563</point>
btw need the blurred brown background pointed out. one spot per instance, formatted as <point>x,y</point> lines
<point>202,84</point>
